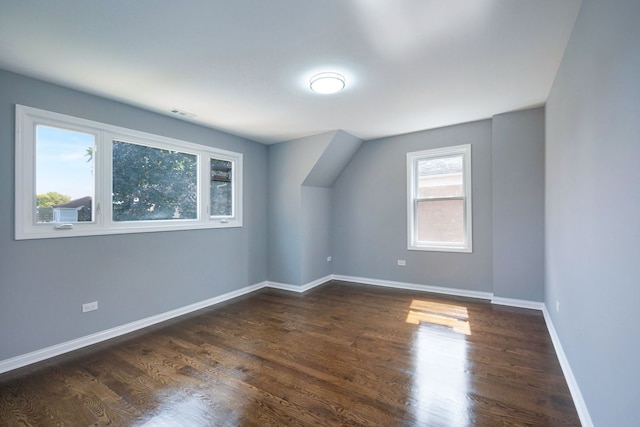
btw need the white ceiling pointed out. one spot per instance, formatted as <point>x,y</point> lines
<point>243,66</point>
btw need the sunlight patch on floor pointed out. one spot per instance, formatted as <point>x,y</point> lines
<point>453,316</point>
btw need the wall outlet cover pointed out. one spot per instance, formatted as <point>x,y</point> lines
<point>90,306</point>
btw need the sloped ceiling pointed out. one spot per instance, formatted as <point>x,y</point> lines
<point>338,153</point>
<point>243,66</point>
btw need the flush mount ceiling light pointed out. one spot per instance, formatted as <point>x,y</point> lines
<point>326,83</point>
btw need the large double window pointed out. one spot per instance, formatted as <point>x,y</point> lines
<point>76,177</point>
<point>439,199</point>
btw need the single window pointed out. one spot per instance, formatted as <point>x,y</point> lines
<point>68,170</point>
<point>439,199</point>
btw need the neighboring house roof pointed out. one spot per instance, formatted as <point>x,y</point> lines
<point>76,203</point>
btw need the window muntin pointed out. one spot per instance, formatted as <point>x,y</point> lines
<point>439,199</point>
<point>137,182</point>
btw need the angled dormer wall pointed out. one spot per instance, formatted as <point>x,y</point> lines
<point>301,174</point>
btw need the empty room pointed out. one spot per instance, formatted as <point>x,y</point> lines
<point>346,212</point>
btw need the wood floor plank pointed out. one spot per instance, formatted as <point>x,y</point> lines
<point>341,354</point>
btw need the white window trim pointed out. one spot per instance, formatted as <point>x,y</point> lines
<point>25,228</point>
<point>412,185</point>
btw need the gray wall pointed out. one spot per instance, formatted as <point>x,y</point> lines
<point>370,213</point>
<point>518,205</point>
<point>316,233</point>
<point>593,208</point>
<point>44,282</point>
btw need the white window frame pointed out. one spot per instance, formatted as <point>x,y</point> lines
<point>27,118</point>
<point>412,201</point>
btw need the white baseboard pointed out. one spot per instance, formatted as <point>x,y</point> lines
<point>574,389</point>
<point>299,289</point>
<point>520,303</point>
<point>78,343</point>
<point>416,287</point>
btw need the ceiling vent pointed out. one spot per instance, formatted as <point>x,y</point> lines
<point>183,113</point>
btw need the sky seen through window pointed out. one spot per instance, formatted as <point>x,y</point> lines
<point>62,162</point>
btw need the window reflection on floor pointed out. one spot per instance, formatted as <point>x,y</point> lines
<point>440,356</point>
<point>182,408</point>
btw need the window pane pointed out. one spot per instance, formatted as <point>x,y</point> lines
<point>440,221</point>
<point>221,188</point>
<point>64,175</point>
<point>153,184</point>
<point>440,177</point>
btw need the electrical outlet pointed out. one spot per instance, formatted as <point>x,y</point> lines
<point>557,306</point>
<point>402,262</point>
<point>329,258</point>
<point>90,306</point>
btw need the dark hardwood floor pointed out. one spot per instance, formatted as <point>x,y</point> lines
<point>340,354</point>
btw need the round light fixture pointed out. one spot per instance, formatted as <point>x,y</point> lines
<point>326,83</point>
